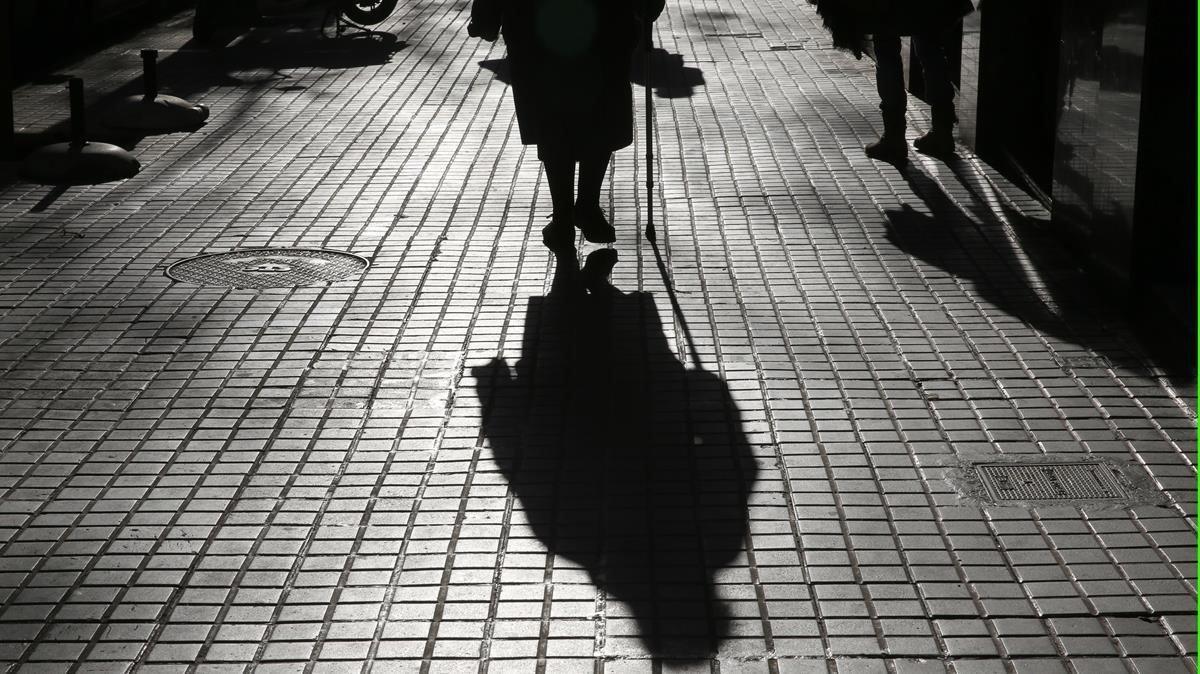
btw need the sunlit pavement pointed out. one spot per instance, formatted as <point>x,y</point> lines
<point>455,461</point>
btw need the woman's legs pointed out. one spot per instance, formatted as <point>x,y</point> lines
<point>583,212</point>
<point>588,215</point>
<point>591,179</point>
<point>560,177</point>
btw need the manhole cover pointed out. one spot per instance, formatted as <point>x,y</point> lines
<point>1054,480</point>
<point>1050,481</point>
<point>268,268</point>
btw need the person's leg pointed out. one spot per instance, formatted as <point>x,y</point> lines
<point>931,52</point>
<point>889,75</point>
<point>889,82</point>
<point>591,179</point>
<point>560,178</point>
<point>588,215</point>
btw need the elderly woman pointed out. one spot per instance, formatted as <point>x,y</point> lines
<point>927,21</point>
<point>570,82</point>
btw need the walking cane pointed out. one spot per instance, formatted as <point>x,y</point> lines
<point>647,43</point>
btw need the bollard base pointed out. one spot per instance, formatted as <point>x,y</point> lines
<point>86,164</point>
<point>162,113</point>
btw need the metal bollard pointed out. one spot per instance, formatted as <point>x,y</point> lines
<point>78,162</point>
<point>150,73</point>
<point>153,111</point>
<point>78,115</point>
<point>7,135</point>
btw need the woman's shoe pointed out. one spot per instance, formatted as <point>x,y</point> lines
<point>559,234</point>
<point>591,221</point>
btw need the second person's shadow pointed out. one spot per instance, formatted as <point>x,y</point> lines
<point>623,459</point>
<point>1030,277</point>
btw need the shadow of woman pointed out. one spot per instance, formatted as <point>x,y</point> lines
<point>623,459</point>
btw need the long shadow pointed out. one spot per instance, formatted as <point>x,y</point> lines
<point>307,44</point>
<point>257,60</point>
<point>1043,288</point>
<point>624,460</point>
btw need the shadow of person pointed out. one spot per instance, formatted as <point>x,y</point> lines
<point>1032,280</point>
<point>285,48</point>
<point>258,60</point>
<point>668,75</point>
<point>623,460</point>
<point>498,68</point>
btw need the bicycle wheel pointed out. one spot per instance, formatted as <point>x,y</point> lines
<point>367,12</point>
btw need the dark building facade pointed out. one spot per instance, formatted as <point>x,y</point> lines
<point>1091,106</point>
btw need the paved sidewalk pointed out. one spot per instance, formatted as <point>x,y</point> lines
<point>457,461</point>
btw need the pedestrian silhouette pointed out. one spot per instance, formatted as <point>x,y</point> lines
<point>569,62</point>
<point>928,22</point>
<point>623,460</point>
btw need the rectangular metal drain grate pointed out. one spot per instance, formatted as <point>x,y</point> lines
<point>1082,362</point>
<point>1082,480</point>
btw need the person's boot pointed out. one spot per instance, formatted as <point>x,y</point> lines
<point>939,141</point>
<point>595,227</point>
<point>891,146</point>
<point>559,235</point>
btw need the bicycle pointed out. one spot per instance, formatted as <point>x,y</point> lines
<point>367,12</point>
<point>211,15</point>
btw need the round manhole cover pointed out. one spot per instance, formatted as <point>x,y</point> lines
<point>268,267</point>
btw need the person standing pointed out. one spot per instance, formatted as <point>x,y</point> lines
<point>928,22</point>
<point>569,61</point>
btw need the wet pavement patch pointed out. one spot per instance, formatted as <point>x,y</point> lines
<point>1054,480</point>
<point>268,268</point>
